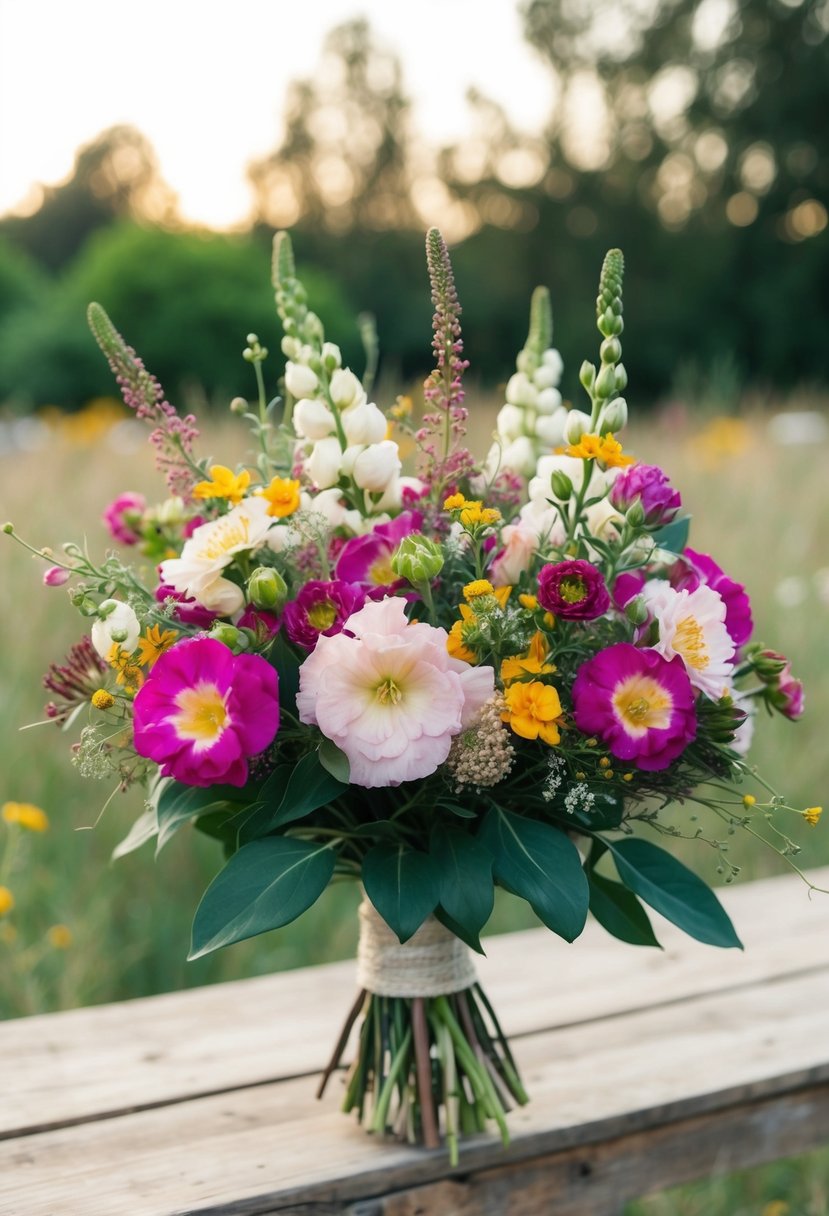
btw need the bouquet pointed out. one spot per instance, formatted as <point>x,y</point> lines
<point>503,671</point>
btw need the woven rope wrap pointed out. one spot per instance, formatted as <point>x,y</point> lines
<point>433,962</point>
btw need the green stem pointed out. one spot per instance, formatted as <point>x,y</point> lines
<point>378,1123</point>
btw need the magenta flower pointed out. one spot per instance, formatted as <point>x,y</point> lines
<point>647,483</point>
<point>123,517</point>
<point>627,586</point>
<point>56,576</point>
<point>367,559</point>
<point>321,608</point>
<point>785,693</point>
<point>186,610</point>
<point>695,568</point>
<point>203,711</point>
<point>263,623</point>
<point>574,590</point>
<point>639,704</point>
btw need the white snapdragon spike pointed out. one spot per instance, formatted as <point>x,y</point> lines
<point>510,422</point>
<point>345,389</point>
<point>377,466</point>
<point>550,427</point>
<point>323,463</point>
<point>213,546</point>
<point>549,399</point>
<point>364,423</point>
<point>329,504</point>
<point>331,354</point>
<point>552,359</point>
<point>692,625</point>
<point>393,497</point>
<point>519,455</point>
<point>117,626</point>
<point>521,391</point>
<point>313,419</point>
<point>300,380</point>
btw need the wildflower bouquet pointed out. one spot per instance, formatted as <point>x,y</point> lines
<point>503,672</point>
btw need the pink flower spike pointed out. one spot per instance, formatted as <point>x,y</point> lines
<point>56,576</point>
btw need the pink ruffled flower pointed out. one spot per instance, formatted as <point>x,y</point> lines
<point>367,559</point>
<point>694,568</point>
<point>321,609</point>
<point>203,711</point>
<point>123,517</point>
<point>574,590</point>
<point>647,483</point>
<point>388,694</point>
<point>639,704</point>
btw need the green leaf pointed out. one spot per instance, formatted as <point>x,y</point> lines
<point>267,884</point>
<point>538,863</point>
<point>402,885</point>
<point>308,788</point>
<point>674,536</point>
<point>334,761</point>
<point>287,665</point>
<point>618,910</point>
<point>673,890</point>
<point>177,803</point>
<point>466,891</point>
<point>462,812</point>
<point>144,828</point>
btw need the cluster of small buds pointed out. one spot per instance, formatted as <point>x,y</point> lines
<point>483,755</point>
<point>609,411</point>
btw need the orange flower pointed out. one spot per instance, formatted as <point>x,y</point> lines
<point>282,495</point>
<point>604,448</point>
<point>455,643</point>
<point>532,663</point>
<point>532,711</point>
<point>153,644</point>
<point>225,484</point>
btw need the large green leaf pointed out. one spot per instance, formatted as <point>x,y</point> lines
<point>267,884</point>
<point>309,787</point>
<point>144,828</point>
<point>334,761</point>
<point>542,865</point>
<point>673,890</point>
<point>618,910</point>
<point>464,873</point>
<point>674,536</point>
<point>176,803</point>
<point>402,884</point>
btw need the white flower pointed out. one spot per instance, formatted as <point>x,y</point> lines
<point>346,389</point>
<point>212,547</point>
<point>393,497</point>
<point>578,423</point>
<point>552,358</point>
<point>313,419</point>
<point>377,466</point>
<point>550,427</point>
<point>329,504</point>
<point>549,399</point>
<point>519,456</point>
<point>364,423</point>
<point>300,381</point>
<point>510,422</point>
<point>331,354</point>
<point>118,625</point>
<point>692,625</point>
<point>521,390</point>
<point>323,464</point>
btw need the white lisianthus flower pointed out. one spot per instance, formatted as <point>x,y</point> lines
<point>313,419</point>
<point>300,380</point>
<point>377,466</point>
<point>117,626</point>
<point>345,389</point>
<point>213,546</point>
<point>364,423</point>
<point>510,422</point>
<point>323,464</point>
<point>692,625</point>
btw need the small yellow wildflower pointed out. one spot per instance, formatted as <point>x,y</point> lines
<point>128,674</point>
<point>60,937</point>
<point>153,644</point>
<point>475,514</point>
<point>225,484</point>
<point>532,663</point>
<point>6,901</point>
<point>530,602</point>
<point>608,774</point>
<point>102,699</point>
<point>532,710</point>
<point>604,448</point>
<point>25,815</point>
<point>282,495</point>
<point>477,588</point>
<point>454,502</point>
<point>812,815</point>
<point>627,776</point>
<point>748,801</point>
<point>455,643</point>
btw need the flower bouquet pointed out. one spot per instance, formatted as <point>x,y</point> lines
<point>509,671</point>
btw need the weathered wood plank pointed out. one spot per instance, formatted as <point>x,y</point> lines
<point>272,1148</point>
<point>91,1062</point>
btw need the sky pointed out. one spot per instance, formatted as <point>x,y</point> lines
<point>205,81</point>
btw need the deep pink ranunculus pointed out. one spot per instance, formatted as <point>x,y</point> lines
<point>321,608</point>
<point>367,559</point>
<point>638,703</point>
<point>694,568</point>
<point>574,590</point>
<point>646,482</point>
<point>204,711</point>
<point>123,516</point>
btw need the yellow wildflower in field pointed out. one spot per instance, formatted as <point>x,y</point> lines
<point>532,710</point>
<point>6,901</point>
<point>153,644</point>
<point>812,815</point>
<point>282,495</point>
<point>25,815</point>
<point>604,448</point>
<point>225,484</point>
<point>60,937</point>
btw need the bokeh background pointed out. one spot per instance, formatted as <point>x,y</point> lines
<point>146,158</point>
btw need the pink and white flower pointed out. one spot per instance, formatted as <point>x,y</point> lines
<point>388,694</point>
<point>692,625</point>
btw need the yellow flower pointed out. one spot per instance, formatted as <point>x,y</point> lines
<point>128,674</point>
<point>6,901</point>
<point>102,699</point>
<point>25,815</point>
<point>532,710</point>
<point>60,936</point>
<point>532,663</point>
<point>478,587</point>
<point>748,801</point>
<point>475,514</point>
<point>812,815</point>
<point>455,642</point>
<point>502,594</point>
<point>225,484</point>
<point>282,495</point>
<point>454,502</point>
<point>153,644</point>
<point>604,448</point>
<point>402,407</point>
<point>530,602</point>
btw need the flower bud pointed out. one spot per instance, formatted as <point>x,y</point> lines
<point>521,391</point>
<point>510,422</point>
<point>267,589</point>
<point>238,406</point>
<point>621,378</point>
<point>300,380</point>
<point>417,559</point>
<point>364,423</point>
<point>313,419</point>
<point>549,399</point>
<point>605,382</point>
<point>550,427</point>
<point>611,350</point>
<point>635,513</point>
<point>331,356</point>
<point>613,416</point>
<point>377,465</point>
<point>345,389</point>
<point>323,465</point>
<point>561,485</point>
<point>577,424</point>
<point>587,375</point>
<point>56,576</point>
<point>636,610</point>
<point>235,639</point>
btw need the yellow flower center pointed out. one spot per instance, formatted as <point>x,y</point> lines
<point>322,615</point>
<point>380,572</point>
<point>226,536</point>
<point>572,589</point>
<point>689,641</point>
<point>389,692</point>
<point>642,704</point>
<point>203,714</point>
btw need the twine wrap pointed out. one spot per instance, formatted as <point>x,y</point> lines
<point>433,962</point>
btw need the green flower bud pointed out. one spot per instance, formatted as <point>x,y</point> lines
<point>576,424</point>
<point>417,559</point>
<point>8,528</point>
<point>238,405</point>
<point>636,610</point>
<point>587,375</point>
<point>83,602</point>
<point>621,378</point>
<point>561,485</point>
<point>106,608</point>
<point>611,350</point>
<point>235,639</point>
<point>635,513</point>
<point>613,417</point>
<point>606,381</point>
<point>267,589</point>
